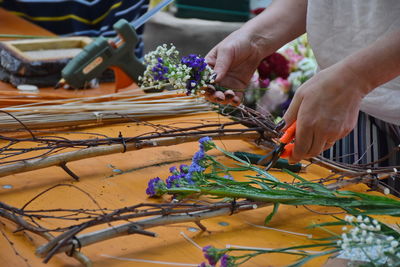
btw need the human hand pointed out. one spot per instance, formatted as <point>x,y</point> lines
<point>326,108</point>
<point>236,58</point>
<point>227,97</point>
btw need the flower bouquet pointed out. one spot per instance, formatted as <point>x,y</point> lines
<point>363,239</point>
<point>279,75</point>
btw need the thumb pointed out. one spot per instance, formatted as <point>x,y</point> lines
<point>290,115</point>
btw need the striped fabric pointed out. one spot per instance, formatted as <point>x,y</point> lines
<point>79,17</point>
<point>371,140</point>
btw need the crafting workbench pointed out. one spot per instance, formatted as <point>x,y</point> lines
<point>120,180</point>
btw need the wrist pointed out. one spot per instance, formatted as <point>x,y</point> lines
<point>261,41</point>
<point>354,80</point>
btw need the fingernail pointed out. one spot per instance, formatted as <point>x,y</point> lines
<point>210,90</point>
<point>280,125</point>
<point>235,101</point>
<point>219,96</point>
<point>229,94</point>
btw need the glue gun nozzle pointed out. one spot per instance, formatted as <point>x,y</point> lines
<point>60,84</point>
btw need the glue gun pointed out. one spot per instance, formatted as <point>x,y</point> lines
<point>95,58</point>
<point>117,54</point>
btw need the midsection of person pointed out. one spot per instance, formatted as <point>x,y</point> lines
<point>337,29</point>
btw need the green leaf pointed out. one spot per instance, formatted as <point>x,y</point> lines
<point>314,186</point>
<point>274,211</point>
<point>312,256</point>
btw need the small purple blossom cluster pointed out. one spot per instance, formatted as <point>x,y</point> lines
<point>156,187</point>
<point>160,70</point>
<point>214,256</point>
<point>185,175</point>
<point>179,177</point>
<point>197,65</point>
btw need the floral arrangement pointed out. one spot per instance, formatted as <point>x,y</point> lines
<point>364,242</point>
<point>271,88</point>
<point>364,239</point>
<point>164,67</point>
<point>279,75</point>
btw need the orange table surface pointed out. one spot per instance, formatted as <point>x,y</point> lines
<point>120,180</point>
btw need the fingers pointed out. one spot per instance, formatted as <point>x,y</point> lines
<point>317,146</point>
<point>231,98</point>
<point>328,145</point>
<point>302,144</point>
<point>226,98</point>
<point>291,114</point>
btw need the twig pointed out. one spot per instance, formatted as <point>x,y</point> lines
<point>120,230</point>
<point>54,160</point>
<point>68,170</point>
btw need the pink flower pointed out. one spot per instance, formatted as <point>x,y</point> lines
<point>264,83</point>
<point>274,96</point>
<point>294,58</point>
<point>283,84</point>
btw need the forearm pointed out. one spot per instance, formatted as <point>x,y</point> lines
<point>281,22</point>
<point>376,64</point>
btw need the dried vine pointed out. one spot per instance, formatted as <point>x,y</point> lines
<point>142,216</point>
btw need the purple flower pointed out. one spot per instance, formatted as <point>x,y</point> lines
<point>197,65</point>
<point>156,187</point>
<point>194,172</point>
<point>228,177</point>
<point>203,264</point>
<point>184,168</point>
<point>190,85</point>
<point>198,156</point>
<point>205,139</point>
<point>195,62</point>
<point>211,254</point>
<point>225,261</point>
<point>206,143</point>
<point>174,180</point>
<point>173,170</point>
<point>159,71</point>
<point>195,168</point>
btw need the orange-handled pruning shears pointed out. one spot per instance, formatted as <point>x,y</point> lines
<point>283,149</point>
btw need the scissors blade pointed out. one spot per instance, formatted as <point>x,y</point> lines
<point>272,157</point>
<point>267,158</point>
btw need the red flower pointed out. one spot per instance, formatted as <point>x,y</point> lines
<point>274,66</point>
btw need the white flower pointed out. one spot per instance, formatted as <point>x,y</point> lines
<point>349,218</point>
<point>369,240</point>
<point>389,238</point>
<point>363,226</point>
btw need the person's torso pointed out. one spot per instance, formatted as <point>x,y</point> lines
<point>337,28</point>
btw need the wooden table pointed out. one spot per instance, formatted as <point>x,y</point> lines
<point>120,180</point>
